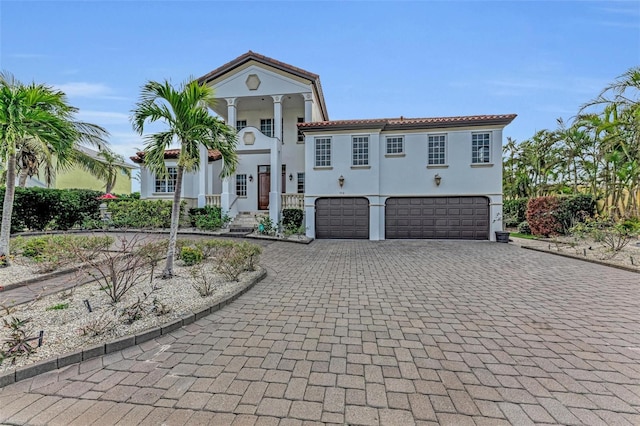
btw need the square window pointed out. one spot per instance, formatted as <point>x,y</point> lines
<point>323,152</point>
<point>266,126</point>
<point>436,150</point>
<point>300,183</point>
<point>395,145</point>
<point>360,145</point>
<point>480,148</point>
<point>167,183</point>
<point>241,185</point>
<point>241,124</point>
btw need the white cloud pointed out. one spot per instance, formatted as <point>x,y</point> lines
<point>82,89</point>
<point>103,117</point>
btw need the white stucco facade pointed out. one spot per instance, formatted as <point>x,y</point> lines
<point>280,113</point>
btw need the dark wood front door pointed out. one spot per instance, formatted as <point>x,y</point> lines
<point>264,185</point>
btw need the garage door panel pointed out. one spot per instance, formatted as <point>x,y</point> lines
<point>437,217</point>
<point>342,218</point>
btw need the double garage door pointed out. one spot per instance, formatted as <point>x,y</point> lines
<point>415,217</point>
<point>437,217</point>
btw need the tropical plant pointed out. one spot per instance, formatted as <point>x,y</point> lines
<point>38,114</point>
<point>185,113</point>
<point>106,167</point>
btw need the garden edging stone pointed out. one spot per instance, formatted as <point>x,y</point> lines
<point>122,343</point>
<point>571,256</point>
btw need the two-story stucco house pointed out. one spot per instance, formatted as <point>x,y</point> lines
<point>375,179</point>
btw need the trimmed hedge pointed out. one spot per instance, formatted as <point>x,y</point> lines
<point>292,218</point>
<point>514,212</point>
<point>207,218</point>
<point>142,213</point>
<point>39,209</point>
<point>557,215</point>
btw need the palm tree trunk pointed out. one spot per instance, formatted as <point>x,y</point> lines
<point>7,207</point>
<point>24,174</point>
<point>175,220</point>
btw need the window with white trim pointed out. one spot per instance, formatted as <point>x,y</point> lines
<point>480,148</point>
<point>266,126</point>
<point>323,152</point>
<point>300,183</point>
<point>395,144</point>
<point>241,124</point>
<point>360,150</point>
<point>167,183</point>
<point>241,185</point>
<point>436,150</point>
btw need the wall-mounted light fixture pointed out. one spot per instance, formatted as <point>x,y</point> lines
<point>290,176</point>
<point>250,178</point>
<point>438,179</point>
<point>341,181</point>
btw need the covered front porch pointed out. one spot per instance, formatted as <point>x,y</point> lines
<point>287,201</point>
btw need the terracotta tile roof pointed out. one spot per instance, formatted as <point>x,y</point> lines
<point>214,155</point>
<point>246,57</point>
<point>410,123</point>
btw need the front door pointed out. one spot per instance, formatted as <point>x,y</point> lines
<point>264,185</point>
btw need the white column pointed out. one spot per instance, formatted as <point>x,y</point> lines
<point>308,107</point>
<point>495,216</point>
<point>228,195</point>
<point>202,176</point>
<point>276,162</point>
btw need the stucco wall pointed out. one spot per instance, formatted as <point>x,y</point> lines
<point>404,175</point>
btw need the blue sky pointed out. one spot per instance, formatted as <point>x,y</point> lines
<point>541,60</point>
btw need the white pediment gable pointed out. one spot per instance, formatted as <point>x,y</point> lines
<point>242,82</point>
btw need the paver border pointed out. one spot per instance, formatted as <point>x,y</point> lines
<point>570,256</point>
<point>122,342</point>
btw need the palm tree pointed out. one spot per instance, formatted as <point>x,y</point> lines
<point>185,112</point>
<point>106,167</point>
<point>40,114</point>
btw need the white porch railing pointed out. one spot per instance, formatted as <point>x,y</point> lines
<point>293,201</point>
<point>213,200</point>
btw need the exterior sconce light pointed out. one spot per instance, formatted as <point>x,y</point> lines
<point>250,178</point>
<point>438,179</point>
<point>290,176</point>
<point>341,181</point>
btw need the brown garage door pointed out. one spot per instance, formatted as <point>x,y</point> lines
<point>437,217</point>
<point>342,218</point>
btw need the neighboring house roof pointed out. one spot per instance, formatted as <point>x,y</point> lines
<point>94,154</point>
<point>214,155</point>
<point>252,56</point>
<point>409,123</point>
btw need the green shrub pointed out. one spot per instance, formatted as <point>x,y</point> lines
<point>523,228</point>
<point>574,209</point>
<point>53,251</point>
<point>266,226</point>
<point>292,219</point>
<point>208,218</point>
<point>39,209</point>
<point>142,213</point>
<point>191,255</point>
<point>514,211</point>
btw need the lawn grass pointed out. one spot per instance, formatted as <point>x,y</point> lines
<point>525,236</point>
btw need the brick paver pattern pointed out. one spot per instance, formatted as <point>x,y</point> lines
<point>393,332</point>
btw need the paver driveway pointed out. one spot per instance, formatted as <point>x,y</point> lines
<point>387,332</point>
